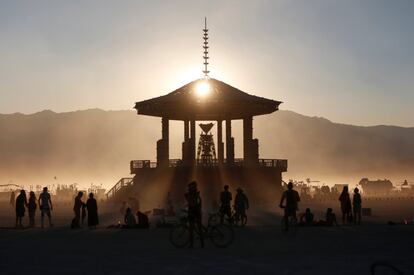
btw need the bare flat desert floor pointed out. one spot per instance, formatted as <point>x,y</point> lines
<point>259,248</point>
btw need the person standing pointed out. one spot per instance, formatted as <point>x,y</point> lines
<point>32,208</point>
<point>356,204</point>
<point>46,206</point>
<point>92,207</point>
<point>225,207</point>
<point>21,204</point>
<point>292,200</point>
<point>241,204</point>
<point>194,212</point>
<point>12,199</point>
<point>345,200</point>
<point>79,204</point>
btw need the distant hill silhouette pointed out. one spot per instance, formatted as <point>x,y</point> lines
<point>96,146</point>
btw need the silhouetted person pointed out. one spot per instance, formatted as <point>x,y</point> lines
<point>92,208</point>
<point>32,206</point>
<point>123,208</point>
<point>21,204</point>
<point>292,199</point>
<point>346,207</point>
<point>129,219</point>
<point>241,204</point>
<point>45,205</point>
<point>143,221</point>
<point>12,199</point>
<point>330,217</point>
<point>170,206</point>
<point>194,212</point>
<point>307,218</point>
<point>356,203</point>
<point>225,200</point>
<point>77,207</point>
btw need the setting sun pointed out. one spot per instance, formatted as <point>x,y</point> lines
<point>203,89</point>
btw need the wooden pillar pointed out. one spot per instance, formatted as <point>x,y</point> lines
<point>186,130</point>
<point>163,144</point>
<point>229,143</point>
<point>220,144</point>
<point>247,138</point>
<point>186,144</point>
<point>193,140</point>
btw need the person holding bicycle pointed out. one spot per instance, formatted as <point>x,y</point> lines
<point>292,199</point>
<point>225,207</point>
<point>194,212</point>
<point>241,204</point>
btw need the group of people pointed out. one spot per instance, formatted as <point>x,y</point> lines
<point>21,203</point>
<point>241,204</point>
<point>80,209</point>
<point>351,210</point>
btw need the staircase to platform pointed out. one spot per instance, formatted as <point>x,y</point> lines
<point>122,185</point>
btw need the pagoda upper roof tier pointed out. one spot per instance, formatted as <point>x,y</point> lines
<point>207,99</point>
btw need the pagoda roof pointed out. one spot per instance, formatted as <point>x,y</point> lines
<point>222,102</point>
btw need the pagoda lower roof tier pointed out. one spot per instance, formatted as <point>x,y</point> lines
<point>207,99</point>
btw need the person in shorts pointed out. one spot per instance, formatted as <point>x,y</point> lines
<point>45,205</point>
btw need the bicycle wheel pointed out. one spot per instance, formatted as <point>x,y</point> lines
<point>221,235</point>
<point>180,236</point>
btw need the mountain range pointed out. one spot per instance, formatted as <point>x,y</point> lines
<point>96,146</point>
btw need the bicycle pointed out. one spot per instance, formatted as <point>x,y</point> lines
<point>236,219</point>
<point>221,235</point>
<point>291,225</point>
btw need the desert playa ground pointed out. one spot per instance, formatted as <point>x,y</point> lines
<point>260,248</point>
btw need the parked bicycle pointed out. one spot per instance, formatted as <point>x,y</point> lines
<point>221,235</point>
<point>236,219</point>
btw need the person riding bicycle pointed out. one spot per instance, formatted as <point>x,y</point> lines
<point>292,199</point>
<point>194,212</point>
<point>225,207</point>
<point>241,204</point>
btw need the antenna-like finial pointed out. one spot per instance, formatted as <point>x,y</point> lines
<point>205,47</point>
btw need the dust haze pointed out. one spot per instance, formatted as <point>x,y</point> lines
<point>95,146</point>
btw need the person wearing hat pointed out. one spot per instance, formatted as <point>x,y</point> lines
<point>194,211</point>
<point>292,199</point>
<point>241,204</point>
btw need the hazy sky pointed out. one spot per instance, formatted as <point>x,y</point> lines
<point>348,61</point>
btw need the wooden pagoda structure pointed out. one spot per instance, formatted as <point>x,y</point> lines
<point>205,99</point>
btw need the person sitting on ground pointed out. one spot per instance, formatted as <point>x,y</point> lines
<point>330,217</point>
<point>129,219</point>
<point>143,221</point>
<point>356,203</point>
<point>307,218</point>
<point>225,207</point>
<point>21,204</point>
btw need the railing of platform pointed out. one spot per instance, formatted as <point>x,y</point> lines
<point>118,186</point>
<point>142,164</point>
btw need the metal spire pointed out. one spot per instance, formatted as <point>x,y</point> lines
<point>205,47</point>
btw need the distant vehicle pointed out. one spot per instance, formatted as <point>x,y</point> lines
<point>376,187</point>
